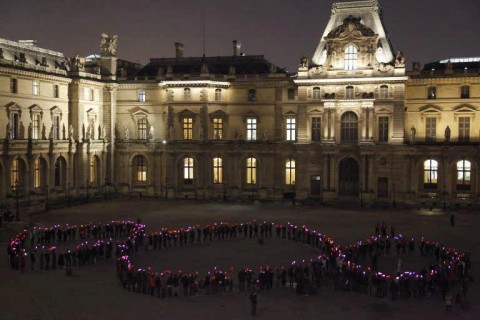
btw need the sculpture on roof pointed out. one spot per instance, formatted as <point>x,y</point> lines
<point>399,59</point>
<point>304,62</point>
<point>108,45</point>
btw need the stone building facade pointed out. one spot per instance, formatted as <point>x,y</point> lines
<point>351,125</point>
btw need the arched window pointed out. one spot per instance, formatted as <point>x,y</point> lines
<point>351,58</point>
<point>188,170</point>
<point>464,168</point>
<point>251,171</point>
<point>60,172</point>
<point>384,92</point>
<point>39,172</point>
<point>187,94</point>
<point>349,127</point>
<point>217,170</point>
<point>93,172</point>
<point>290,172</point>
<point>140,165</point>
<point>218,94</point>
<point>316,93</point>
<point>430,174</point>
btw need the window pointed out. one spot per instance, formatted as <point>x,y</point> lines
<point>188,170</point>
<point>383,129</point>
<point>36,126</point>
<point>316,93</point>
<point>349,127</point>
<point>291,94</point>
<point>60,171</point>
<point>56,127</point>
<point>465,92</point>
<point>187,128</point>
<point>251,129</point>
<point>430,174</point>
<point>56,91</point>
<point>316,129</point>
<point>351,58</point>
<point>217,170</point>
<point>464,169</point>
<point>349,93</point>
<point>14,175</point>
<point>141,168</point>
<point>252,95</point>
<point>217,128</point>
<point>430,129</point>
<point>290,172</point>
<point>251,171</point>
<point>37,173</point>
<point>464,129</point>
<point>218,94</point>
<point>141,95</point>
<point>187,94</point>
<point>142,128</point>
<point>88,94</point>
<point>383,92</point>
<point>93,169</point>
<point>14,125</point>
<point>291,129</point>
<point>432,93</point>
<point>35,88</point>
<point>13,86</point>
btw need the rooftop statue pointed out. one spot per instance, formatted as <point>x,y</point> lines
<point>108,45</point>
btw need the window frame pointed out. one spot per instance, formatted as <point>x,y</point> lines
<point>464,129</point>
<point>252,95</point>
<point>430,129</point>
<point>384,91</point>
<point>383,128</point>
<point>290,172</point>
<point>13,85</point>
<point>316,93</point>
<point>142,128</point>
<point>291,129</point>
<point>217,170</point>
<point>432,93</point>
<point>316,128</point>
<point>142,95</point>
<point>349,129</point>
<point>188,170</point>
<point>218,124</point>
<point>35,88</point>
<point>251,128</point>
<point>464,175</point>
<point>187,128</point>
<point>187,94</point>
<point>251,171</point>
<point>141,169</point>
<point>218,95</point>
<point>350,57</point>
<point>465,92</point>
<point>430,174</point>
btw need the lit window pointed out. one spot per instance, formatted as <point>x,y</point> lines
<point>14,175</point>
<point>93,169</point>
<point>430,176</point>
<point>37,173</point>
<point>291,129</point>
<point>316,93</point>
<point>56,91</point>
<point>290,172</point>
<point>464,169</point>
<point>251,171</point>
<point>465,92</point>
<point>316,128</point>
<point>217,128</point>
<point>218,94</point>
<point>383,92</point>
<point>430,129</point>
<point>383,129</point>
<point>187,94</point>
<point>351,58</point>
<point>188,170</point>
<point>432,93</point>
<point>142,128</point>
<point>187,128</point>
<point>349,127</point>
<point>217,170</point>
<point>291,94</point>
<point>36,126</point>
<point>35,88</point>
<point>350,92</point>
<point>141,168</point>
<point>251,129</point>
<point>13,86</point>
<point>141,95</point>
<point>464,129</point>
<point>252,95</point>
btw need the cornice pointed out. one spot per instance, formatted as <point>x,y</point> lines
<point>34,75</point>
<point>346,81</point>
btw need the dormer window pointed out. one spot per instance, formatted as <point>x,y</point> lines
<point>351,57</point>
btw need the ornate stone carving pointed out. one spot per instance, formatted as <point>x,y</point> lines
<point>304,62</point>
<point>108,45</point>
<point>399,59</point>
<point>351,27</point>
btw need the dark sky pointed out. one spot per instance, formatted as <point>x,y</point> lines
<point>282,30</point>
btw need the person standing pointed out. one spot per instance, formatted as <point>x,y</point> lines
<point>253,300</point>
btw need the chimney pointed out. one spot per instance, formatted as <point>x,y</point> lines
<point>237,46</point>
<point>178,50</point>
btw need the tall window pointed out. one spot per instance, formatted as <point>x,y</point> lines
<point>217,170</point>
<point>141,95</point>
<point>218,94</point>
<point>56,91</point>
<point>35,88</point>
<point>141,168</point>
<point>187,94</point>
<point>316,93</point>
<point>351,58</point>
<point>217,128</point>
<point>142,128</point>
<point>383,92</point>
<point>349,92</point>
<point>430,129</point>
<point>188,170</point>
<point>14,175</point>
<point>465,92</point>
<point>291,94</point>
<point>383,129</point>
<point>316,129</point>
<point>432,93</point>
<point>252,95</point>
<point>251,129</point>
<point>464,168</point>
<point>291,129</point>
<point>349,127</point>
<point>60,171</point>
<point>93,169</point>
<point>56,127</point>
<point>430,174</point>
<point>36,126</point>
<point>13,86</point>
<point>14,125</point>
<point>290,172</point>
<point>464,129</point>
<point>251,171</point>
<point>187,124</point>
<point>37,173</point>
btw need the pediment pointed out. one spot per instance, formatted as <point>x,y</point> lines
<point>11,106</point>
<point>35,108</point>
<point>290,114</point>
<point>430,109</point>
<point>464,109</point>
<point>383,111</point>
<point>218,114</point>
<point>186,114</point>
<point>351,27</point>
<point>139,112</point>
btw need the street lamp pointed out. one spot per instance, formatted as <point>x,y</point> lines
<point>293,193</point>
<point>17,217</point>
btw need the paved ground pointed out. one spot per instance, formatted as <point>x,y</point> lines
<point>94,292</point>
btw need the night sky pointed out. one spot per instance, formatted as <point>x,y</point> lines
<point>282,30</point>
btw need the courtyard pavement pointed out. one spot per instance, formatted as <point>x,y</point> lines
<point>94,292</point>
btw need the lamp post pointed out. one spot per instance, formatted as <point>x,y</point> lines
<point>17,217</point>
<point>293,193</point>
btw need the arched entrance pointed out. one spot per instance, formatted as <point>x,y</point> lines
<point>348,177</point>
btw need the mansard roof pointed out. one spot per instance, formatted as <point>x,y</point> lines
<point>469,66</point>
